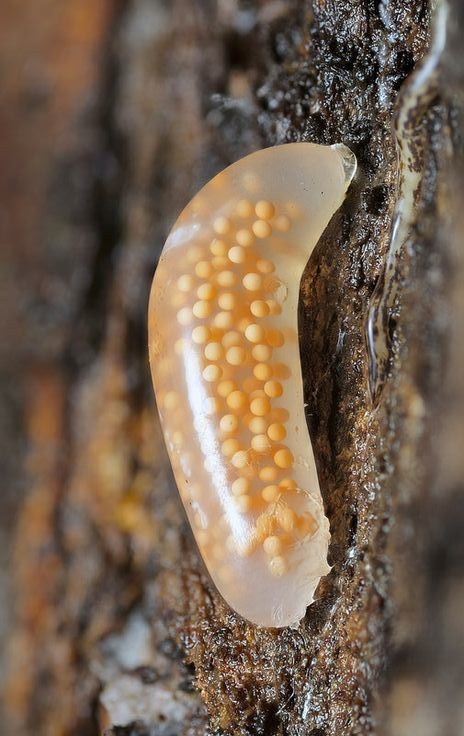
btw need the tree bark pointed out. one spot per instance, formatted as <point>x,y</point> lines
<point>116,624</point>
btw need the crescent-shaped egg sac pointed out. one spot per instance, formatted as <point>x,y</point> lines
<point>224,354</point>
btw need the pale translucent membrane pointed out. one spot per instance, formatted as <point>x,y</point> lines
<point>226,369</point>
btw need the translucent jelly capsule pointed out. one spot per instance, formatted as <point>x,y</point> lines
<point>226,370</point>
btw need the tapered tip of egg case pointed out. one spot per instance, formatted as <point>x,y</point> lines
<point>348,160</point>
<point>224,355</point>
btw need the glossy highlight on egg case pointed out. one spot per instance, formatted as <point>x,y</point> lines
<point>224,355</point>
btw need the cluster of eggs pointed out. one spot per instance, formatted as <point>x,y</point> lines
<point>226,298</point>
<point>225,362</point>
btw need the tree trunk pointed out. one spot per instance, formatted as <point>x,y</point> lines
<point>121,111</point>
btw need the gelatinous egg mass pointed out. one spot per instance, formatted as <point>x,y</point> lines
<point>224,353</point>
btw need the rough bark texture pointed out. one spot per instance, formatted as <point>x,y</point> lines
<point>121,113</point>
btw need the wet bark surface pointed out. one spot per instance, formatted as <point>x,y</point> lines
<point>116,624</point>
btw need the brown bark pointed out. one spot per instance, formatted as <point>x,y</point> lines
<point>115,618</point>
